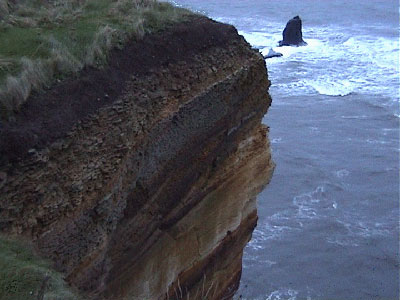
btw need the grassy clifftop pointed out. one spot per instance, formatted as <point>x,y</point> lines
<point>46,40</point>
<point>24,276</point>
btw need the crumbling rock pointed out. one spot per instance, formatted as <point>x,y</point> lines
<point>156,190</point>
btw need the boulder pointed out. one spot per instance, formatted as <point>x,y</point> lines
<point>292,34</point>
<point>272,53</point>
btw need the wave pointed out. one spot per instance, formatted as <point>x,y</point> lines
<point>334,63</point>
<point>281,294</point>
<point>382,52</point>
<point>276,140</point>
<point>258,39</point>
<point>332,88</point>
<point>268,232</point>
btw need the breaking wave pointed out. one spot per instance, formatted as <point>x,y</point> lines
<point>334,64</point>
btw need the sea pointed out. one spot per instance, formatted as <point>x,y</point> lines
<point>329,220</point>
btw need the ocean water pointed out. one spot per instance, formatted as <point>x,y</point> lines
<point>329,221</point>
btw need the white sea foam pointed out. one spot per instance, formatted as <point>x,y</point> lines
<point>334,64</point>
<point>385,130</point>
<point>380,142</point>
<point>313,46</point>
<point>368,47</point>
<point>307,207</point>
<point>306,203</point>
<point>342,241</point>
<point>358,231</point>
<point>357,66</point>
<point>325,86</point>
<point>267,232</point>
<point>283,294</point>
<point>342,173</point>
<point>259,39</point>
<point>259,260</point>
<point>276,140</point>
<point>361,117</point>
<point>367,230</point>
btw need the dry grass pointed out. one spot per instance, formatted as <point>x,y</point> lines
<point>4,11</point>
<point>101,46</point>
<point>206,289</point>
<point>44,40</point>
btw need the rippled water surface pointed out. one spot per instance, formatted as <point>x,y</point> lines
<point>329,221</point>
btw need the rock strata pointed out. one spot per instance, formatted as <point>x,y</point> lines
<point>151,194</point>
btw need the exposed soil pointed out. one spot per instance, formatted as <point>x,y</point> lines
<point>50,115</point>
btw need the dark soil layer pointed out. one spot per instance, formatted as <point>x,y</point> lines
<point>50,115</point>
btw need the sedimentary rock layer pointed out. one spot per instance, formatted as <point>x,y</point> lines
<point>150,194</point>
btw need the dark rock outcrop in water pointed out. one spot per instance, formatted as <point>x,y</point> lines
<point>292,34</point>
<point>147,187</point>
<point>272,53</point>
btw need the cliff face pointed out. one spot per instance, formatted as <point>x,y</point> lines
<point>152,194</point>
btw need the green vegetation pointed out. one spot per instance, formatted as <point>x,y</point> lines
<point>24,276</point>
<point>45,40</point>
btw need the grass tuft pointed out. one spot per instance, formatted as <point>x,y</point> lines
<point>44,40</point>
<point>34,75</point>
<point>3,9</point>
<point>62,60</point>
<point>102,44</point>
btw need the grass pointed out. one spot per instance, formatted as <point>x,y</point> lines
<point>45,40</point>
<point>24,276</point>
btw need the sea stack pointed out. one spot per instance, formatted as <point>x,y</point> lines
<point>292,34</point>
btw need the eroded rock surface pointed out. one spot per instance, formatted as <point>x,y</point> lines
<point>150,195</point>
<point>292,34</point>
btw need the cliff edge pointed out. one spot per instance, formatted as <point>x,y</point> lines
<point>139,180</point>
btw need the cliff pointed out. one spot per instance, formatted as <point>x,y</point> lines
<point>139,180</point>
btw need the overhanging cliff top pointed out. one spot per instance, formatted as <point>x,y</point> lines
<point>49,115</point>
<point>43,41</point>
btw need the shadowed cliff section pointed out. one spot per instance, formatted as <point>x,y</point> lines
<point>140,180</point>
